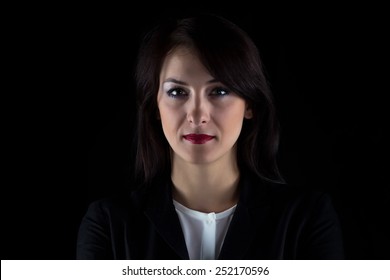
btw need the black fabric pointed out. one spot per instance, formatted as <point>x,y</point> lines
<point>271,221</point>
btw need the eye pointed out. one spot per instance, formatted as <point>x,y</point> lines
<point>219,92</point>
<point>176,93</point>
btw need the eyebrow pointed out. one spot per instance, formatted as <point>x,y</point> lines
<point>172,80</point>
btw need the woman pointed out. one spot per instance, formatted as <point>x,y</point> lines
<point>207,139</point>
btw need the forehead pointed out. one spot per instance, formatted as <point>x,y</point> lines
<point>183,62</point>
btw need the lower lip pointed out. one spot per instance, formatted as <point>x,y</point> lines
<point>198,139</point>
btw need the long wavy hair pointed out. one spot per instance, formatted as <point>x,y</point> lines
<point>231,56</point>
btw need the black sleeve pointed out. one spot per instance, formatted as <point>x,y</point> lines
<point>322,238</point>
<point>93,240</point>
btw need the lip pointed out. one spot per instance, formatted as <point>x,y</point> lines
<point>198,138</point>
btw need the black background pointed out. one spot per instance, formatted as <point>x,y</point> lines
<point>69,112</point>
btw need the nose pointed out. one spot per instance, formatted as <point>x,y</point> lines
<point>198,111</point>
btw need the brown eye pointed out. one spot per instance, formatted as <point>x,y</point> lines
<point>176,93</point>
<point>219,92</point>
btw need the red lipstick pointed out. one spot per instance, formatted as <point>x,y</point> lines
<point>198,138</point>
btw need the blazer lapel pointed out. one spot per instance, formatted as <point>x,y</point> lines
<point>162,214</point>
<point>246,223</point>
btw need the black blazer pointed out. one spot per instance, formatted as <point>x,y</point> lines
<point>271,221</point>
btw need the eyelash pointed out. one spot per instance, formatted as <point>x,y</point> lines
<point>170,92</point>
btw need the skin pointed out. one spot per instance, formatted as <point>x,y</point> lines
<point>190,100</point>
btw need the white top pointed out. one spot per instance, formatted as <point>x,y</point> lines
<point>204,233</point>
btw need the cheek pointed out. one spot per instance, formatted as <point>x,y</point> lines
<point>170,117</point>
<point>230,115</point>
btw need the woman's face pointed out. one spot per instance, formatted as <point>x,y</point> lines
<point>200,117</point>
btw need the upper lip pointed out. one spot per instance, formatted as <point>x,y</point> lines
<point>197,135</point>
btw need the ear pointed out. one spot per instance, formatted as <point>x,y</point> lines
<point>248,113</point>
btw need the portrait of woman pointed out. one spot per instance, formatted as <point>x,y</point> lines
<point>192,132</point>
<point>207,183</point>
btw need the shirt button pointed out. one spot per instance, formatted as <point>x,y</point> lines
<point>210,218</point>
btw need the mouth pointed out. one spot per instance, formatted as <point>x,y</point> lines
<point>198,138</point>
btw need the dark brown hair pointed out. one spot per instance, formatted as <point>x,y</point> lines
<point>230,56</point>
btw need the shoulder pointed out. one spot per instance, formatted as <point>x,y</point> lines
<point>297,195</point>
<point>128,202</point>
<point>119,205</point>
<point>299,198</point>
<point>285,196</point>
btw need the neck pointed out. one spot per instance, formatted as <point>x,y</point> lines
<point>210,187</point>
